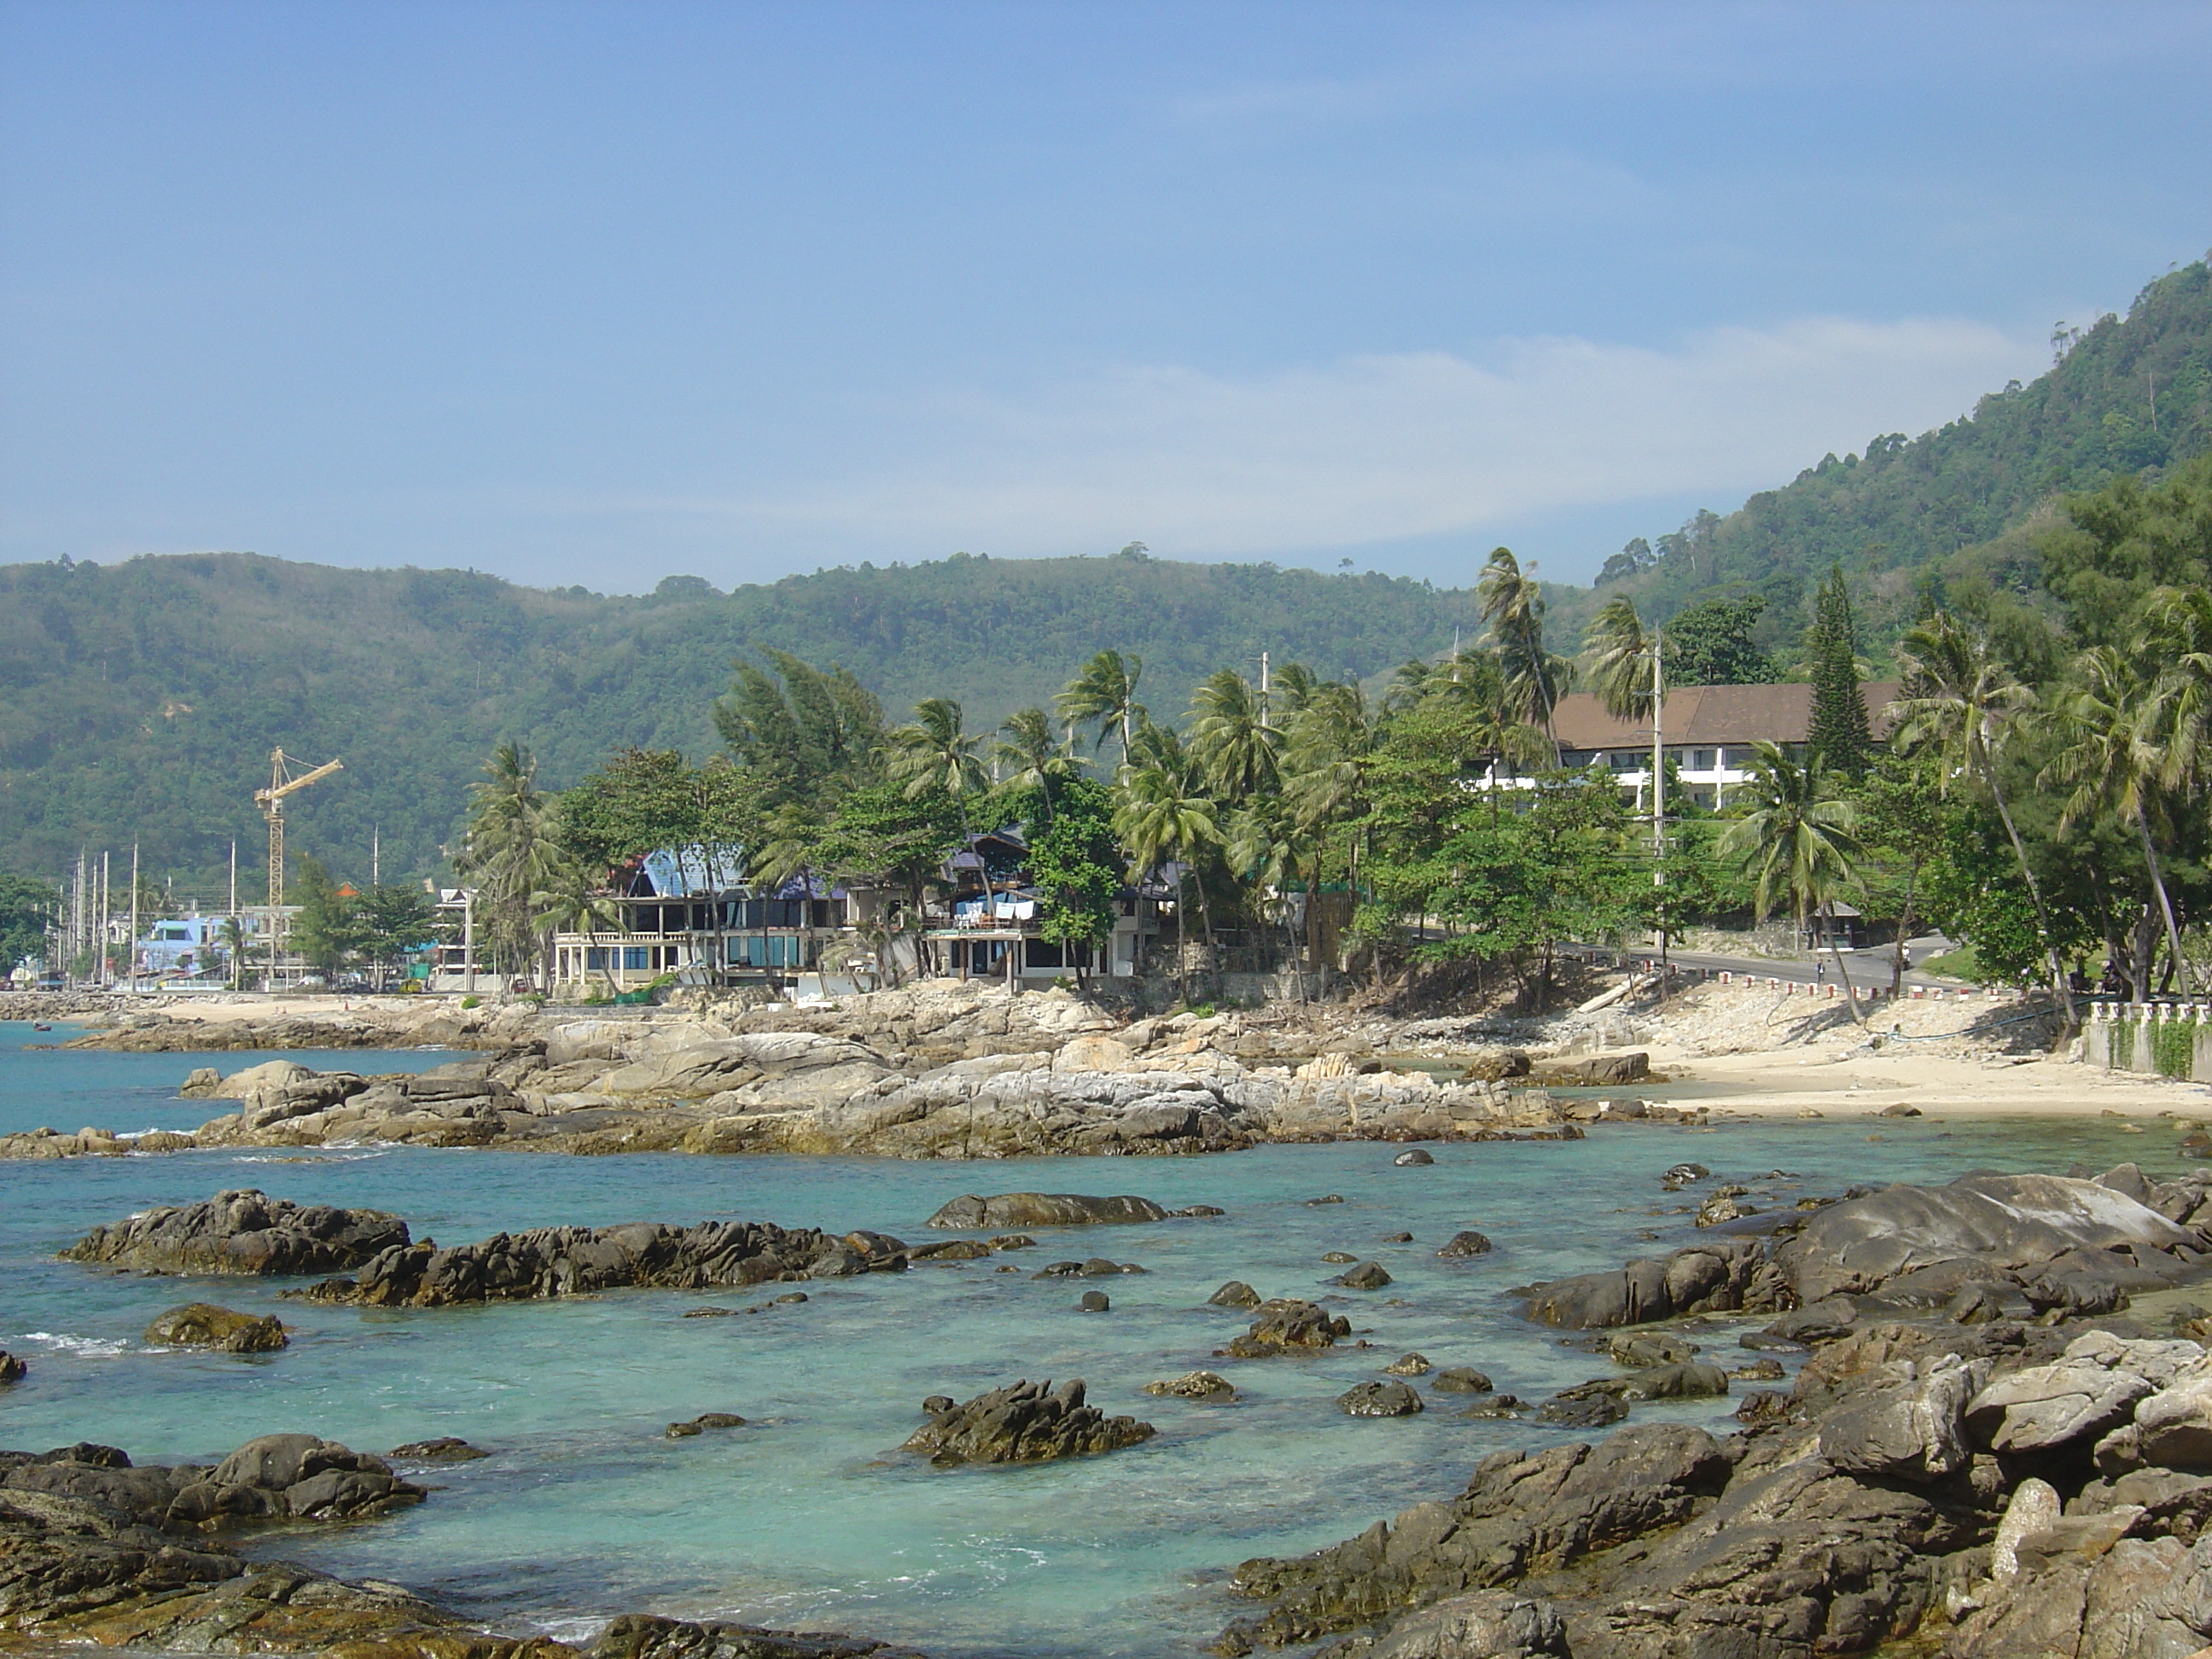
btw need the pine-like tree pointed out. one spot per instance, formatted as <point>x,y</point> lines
<point>1839,730</point>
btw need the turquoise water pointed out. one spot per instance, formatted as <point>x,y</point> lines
<point>809,1516</point>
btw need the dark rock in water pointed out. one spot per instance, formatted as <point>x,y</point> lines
<point>1367,1276</point>
<point>1338,1255</point>
<point>1722,1274</point>
<point>1760,1370</point>
<point>640,1635</point>
<point>1027,1423</point>
<point>203,1325</point>
<point>12,1370</point>
<point>1379,1398</point>
<point>1460,1379</point>
<point>1013,1242</point>
<point>243,1231</point>
<point>1331,1198</point>
<point>1059,1270</point>
<point>1766,1406</point>
<point>1235,1294</point>
<point>790,1298</point>
<point>705,1420</point>
<point>557,1261</point>
<point>1824,1322</point>
<point>1525,1513</point>
<point>1397,1238</point>
<point>1644,1349</point>
<point>1493,1623</point>
<point>1412,1158</point>
<point>710,1312</point>
<point>1199,1211</point>
<point>446,1449</point>
<point>1194,1385</point>
<point>1498,1406</point>
<point>1463,1245</point>
<point>1094,1302</point>
<point>1285,1325</point>
<point>1044,1210</point>
<point>1901,1109</point>
<point>938,1402</point>
<point>1675,1382</point>
<point>951,1249</point>
<point>1682,1174</point>
<point>1099,1268</point>
<point>1592,1411</point>
<point>1411,1364</point>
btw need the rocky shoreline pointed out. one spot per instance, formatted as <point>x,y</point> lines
<point>1944,1478</point>
<point>945,1071</point>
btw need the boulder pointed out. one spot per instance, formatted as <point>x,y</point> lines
<point>1644,1349</point>
<point>1367,1276</point>
<point>1412,1158</point>
<point>1674,1382</point>
<point>1724,1275</point>
<point>1235,1294</point>
<point>1094,1054</point>
<point>1285,1325</point>
<point>1194,1385</point>
<point>1490,1624</point>
<point>1094,1302</point>
<point>243,1231</point>
<point>2173,1426</point>
<point>2001,1222</point>
<point>1044,1210</point>
<point>1379,1398</point>
<point>203,1325</point>
<point>1412,1365</point>
<point>1462,1245</point>
<point>1027,1423</point>
<point>1460,1379</point>
<point>1912,1430</point>
<point>2043,1406</point>
<point>446,1449</point>
<point>1595,1072</point>
<point>12,1370</point>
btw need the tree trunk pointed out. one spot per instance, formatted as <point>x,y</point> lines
<point>1182,937</point>
<point>2059,988</point>
<point>1903,932</point>
<point>2165,903</point>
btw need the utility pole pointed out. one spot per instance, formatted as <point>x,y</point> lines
<point>375,856</point>
<point>469,936</point>
<point>1659,794</point>
<point>106,909</point>
<point>132,947</point>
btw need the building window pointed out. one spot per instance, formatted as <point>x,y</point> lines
<point>1627,760</point>
<point>634,958</point>
<point>1701,760</point>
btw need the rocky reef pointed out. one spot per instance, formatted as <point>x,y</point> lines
<point>1942,1475</point>
<point>1025,1423</point>
<point>940,1070</point>
<point>242,1231</point>
<point>97,1551</point>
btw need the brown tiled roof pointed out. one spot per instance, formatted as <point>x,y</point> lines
<point>1709,715</point>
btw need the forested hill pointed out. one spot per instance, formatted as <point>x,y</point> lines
<point>2129,393</point>
<point>142,698</point>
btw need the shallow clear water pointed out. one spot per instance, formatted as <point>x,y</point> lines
<point>809,1516</point>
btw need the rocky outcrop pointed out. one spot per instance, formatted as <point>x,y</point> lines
<point>203,1325</point>
<point>95,1551</point>
<point>1727,1275</point>
<point>972,1213</point>
<point>244,1231</point>
<point>1027,1423</point>
<point>557,1261</point>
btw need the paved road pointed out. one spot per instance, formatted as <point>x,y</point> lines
<point>1869,967</point>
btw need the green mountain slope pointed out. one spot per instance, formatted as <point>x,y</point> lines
<point>2131,394</point>
<point>142,699</point>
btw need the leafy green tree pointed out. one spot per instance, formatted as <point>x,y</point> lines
<point>393,920</point>
<point>1717,643</point>
<point>883,831</point>
<point>802,734</point>
<point>1903,824</point>
<point>1073,861</point>
<point>24,907</point>
<point>1840,728</point>
<point>327,930</point>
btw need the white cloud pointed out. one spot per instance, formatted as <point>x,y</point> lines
<point>1376,448</point>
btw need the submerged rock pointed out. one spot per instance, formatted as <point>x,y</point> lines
<point>1379,1398</point>
<point>1411,1364</point>
<point>203,1325</point>
<point>446,1449</point>
<point>1235,1294</point>
<point>1367,1276</point>
<point>1285,1325</point>
<point>1044,1210</point>
<point>243,1231</point>
<point>1194,1385</point>
<point>12,1370</point>
<point>1462,1245</point>
<point>1412,1158</point>
<point>1461,1379</point>
<point>1027,1423</point>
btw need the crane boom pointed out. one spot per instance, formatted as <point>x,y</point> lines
<point>277,791</point>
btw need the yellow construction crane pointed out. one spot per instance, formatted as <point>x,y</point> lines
<point>271,803</point>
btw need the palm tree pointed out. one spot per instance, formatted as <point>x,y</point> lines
<point>1512,602</point>
<point>512,850</point>
<point>2179,621</point>
<point>1961,699</point>
<point>571,901</point>
<point>2110,756</point>
<point>1617,654</point>
<point>1797,836</point>
<point>1231,739</point>
<point>1106,692</point>
<point>1266,849</point>
<point>233,935</point>
<point>1163,815</point>
<point>934,753</point>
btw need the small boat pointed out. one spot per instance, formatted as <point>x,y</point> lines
<point>41,1026</point>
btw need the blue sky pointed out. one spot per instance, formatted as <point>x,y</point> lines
<point>598,293</point>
